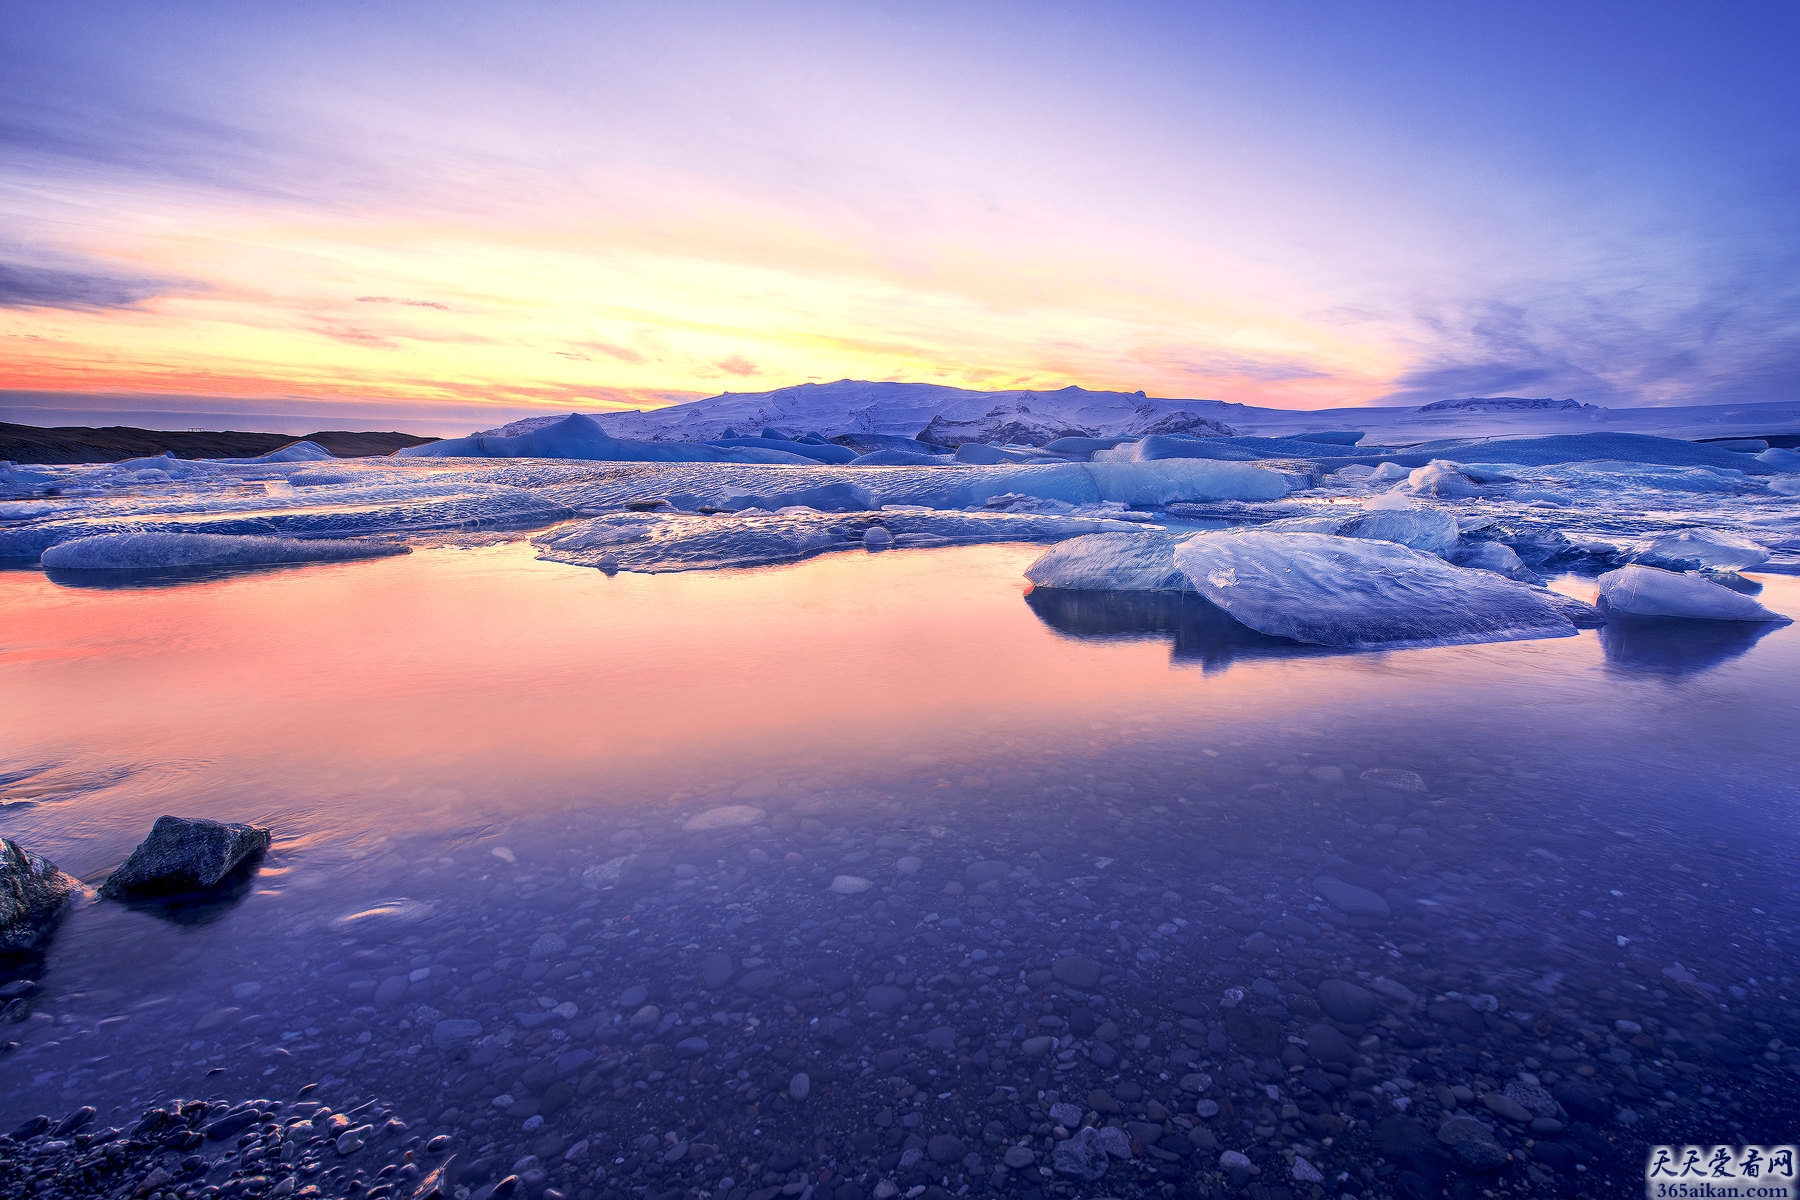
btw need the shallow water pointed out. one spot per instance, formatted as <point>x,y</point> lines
<point>479,766</point>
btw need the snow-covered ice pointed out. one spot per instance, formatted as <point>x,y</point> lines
<point>1696,549</point>
<point>1643,591</point>
<point>1355,593</point>
<point>1125,562</point>
<point>183,551</point>
<point>656,542</point>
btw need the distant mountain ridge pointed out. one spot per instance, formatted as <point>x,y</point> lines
<point>951,416</point>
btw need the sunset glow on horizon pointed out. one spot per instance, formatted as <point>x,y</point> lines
<point>635,205</point>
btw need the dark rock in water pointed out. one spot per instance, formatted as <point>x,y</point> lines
<point>185,854</point>
<point>33,894</point>
<point>1408,1144</point>
<point>1473,1144</point>
<point>1585,1100</point>
<point>1077,971</point>
<point>1344,1001</point>
<point>1082,1156</point>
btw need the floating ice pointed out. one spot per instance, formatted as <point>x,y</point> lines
<point>1445,480</point>
<point>1696,549</point>
<point>1361,594</point>
<point>576,436</point>
<point>1496,557</point>
<point>182,551</point>
<point>1432,530</point>
<point>1653,592</point>
<point>660,541</point>
<point>1126,562</point>
<point>1779,458</point>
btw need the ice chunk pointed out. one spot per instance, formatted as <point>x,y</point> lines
<point>1697,549</point>
<point>670,541</point>
<point>983,455</point>
<point>577,436</point>
<point>1584,447</point>
<point>1432,530</point>
<point>1388,472</point>
<point>1653,592</point>
<point>302,451</point>
<point>1361,594</point>
<point>825,452</point>
<point>903,458</point>
<point>1444,480</point>
<point>1127,562</point>
<point>183,551</point>
<point>1167,482</point>
<point>1497,557</point>
<point>1779,458</point>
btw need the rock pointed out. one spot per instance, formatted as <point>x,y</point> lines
<point>1344,1001</point>
<point>1473,1144</point>
<point>716,971</point>
<point>1083,1156</point>
<point>1330,1046</point>
<point>728,816</point>
<point>1037,1047</point>
<point>1065,1114</point>
<point>185,854</point>
<point>1584,1100</point>
<point>1408,1144</point>
<point>945,1148</point>
<point>1305,1172</point>
<point>883,997</point>
<point>1115,1142</point>
<point>1394,780</point>
<point>1019,1157</point>
<point>33,895</point>
<point>1347,897</point>
<point>850,885</point>
<point>1503,1105</point>
<point>1237,1165</point>
<point>547,945</point>
<point>455,1031</point>
<point>1080,973</point>
<point>986,871</point>
<point>800,1086</point>
<point>1533,1099</point>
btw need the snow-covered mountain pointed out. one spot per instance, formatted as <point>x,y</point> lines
<point>951,416</point>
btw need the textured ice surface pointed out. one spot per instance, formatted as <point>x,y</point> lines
<point>1780,459</point>
<point>665,541</point>
<point>179,551</point>
<point>1693,549</point>
<point>1124,562</point>
<point>1361,594</point>
<point>1653,592</point>
<point>1496,557</point>
<point>576,436</point>
<point>1433,530</point>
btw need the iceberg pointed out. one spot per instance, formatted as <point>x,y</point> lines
<point>1361,594</point>
<point>1126,562</point>
<point>1497,557</point>
<point>186,551</point>
<point>1645,591</point>
<point>1445,480</point>
<point>1432,530</point>
<point>577,436</point>
<point>660,542</point>
<point>1700,549</point>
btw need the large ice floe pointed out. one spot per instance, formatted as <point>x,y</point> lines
<point>186,551</point>
<point>1642,591</point>
<point>1319,588</point>
<point>654,542</point>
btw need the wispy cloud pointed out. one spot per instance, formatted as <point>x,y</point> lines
<point>403,300</point>
<point>52,287</point>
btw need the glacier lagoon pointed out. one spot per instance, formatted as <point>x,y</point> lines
<point>586,873</point>
<point>720,827</point>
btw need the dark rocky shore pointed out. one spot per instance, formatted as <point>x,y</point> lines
<point>115,443</point>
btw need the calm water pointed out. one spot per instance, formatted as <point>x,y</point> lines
<point>480,770</point>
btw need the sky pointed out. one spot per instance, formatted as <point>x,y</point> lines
<point>464,209</point>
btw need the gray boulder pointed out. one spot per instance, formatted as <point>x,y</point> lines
<point>33,894</point>
<point>184,854</point>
